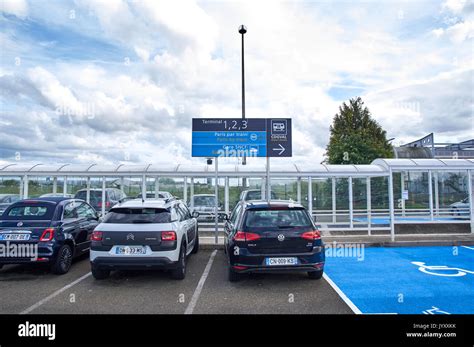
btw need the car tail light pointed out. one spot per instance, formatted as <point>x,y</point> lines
<point>47,234</point>
<point>168,236</point>
<point>311,235</point>
<point>239,267</point>
<point>107,204</point>
<point>97,235</point>
<point>244,236</point>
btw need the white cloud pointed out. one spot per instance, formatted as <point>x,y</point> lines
<point>17,7</point>
<point>301,59</point>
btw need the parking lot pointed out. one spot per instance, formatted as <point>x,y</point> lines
<point>204,290</point>
<point>408,280</point>
<point>390,280</point>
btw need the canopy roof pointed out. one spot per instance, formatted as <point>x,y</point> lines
<point>379,167</point>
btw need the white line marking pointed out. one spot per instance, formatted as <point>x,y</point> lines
<point>341,294</point>
<point>471,248</point>
<point>197,291</point>
<point>56,293</point>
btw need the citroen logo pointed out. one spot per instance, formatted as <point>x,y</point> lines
<point>131,237</point>
<point>281,237</point>
<point>19,224</point>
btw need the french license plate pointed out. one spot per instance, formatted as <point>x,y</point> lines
<point>14,237</point>
<point>281,261</point>
<point>130,250</point>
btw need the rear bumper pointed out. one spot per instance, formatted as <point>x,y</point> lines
<point>13,261</point>
<point>133,263</point>
<point>295,268</point>
<point>27,252</point>
<point>251,262</point>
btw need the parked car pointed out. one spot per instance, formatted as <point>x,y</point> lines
<point>145,234</point>
<point>460,208</point>
<point>6,200</point>
<point>254,194</point>
<point>57,195</point>
<point>60,228</point>
<point>205,205</point>
<point>161,195</point>
<point>112,197</point>
<point>275,236</point>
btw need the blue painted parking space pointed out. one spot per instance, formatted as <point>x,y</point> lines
<point>386,221</point>
<point>408,280</point>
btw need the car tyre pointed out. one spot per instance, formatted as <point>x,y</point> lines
<point>233,276</point>
<point>179,273</point>
<point>196,244</point>
<point>99,274</point>
<point>62,262</point>
<point>315,275</point>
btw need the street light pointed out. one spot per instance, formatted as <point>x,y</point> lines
<point>242,31</point>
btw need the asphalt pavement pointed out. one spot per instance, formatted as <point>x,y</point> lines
<point>205,290</point>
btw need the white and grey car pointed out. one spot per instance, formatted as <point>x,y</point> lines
<point>460,208</point>
<point>136,234</point>
<point>205,205</point>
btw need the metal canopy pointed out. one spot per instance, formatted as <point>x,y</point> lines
<point>379,167</point>
<point>425,164</point>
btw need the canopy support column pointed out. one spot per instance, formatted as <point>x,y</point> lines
<point>226,195</point>
<point>471,199</point>
<point>25,187</point>
<point>390,204</point>
<point>185,190</point>
<point>351,205</point>
<point>310,196</point>
<point>369,205</point>
<point>430,193</point>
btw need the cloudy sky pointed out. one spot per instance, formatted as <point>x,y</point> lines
<point>115,81</point>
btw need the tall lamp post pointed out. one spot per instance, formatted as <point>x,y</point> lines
<point>242,31</point>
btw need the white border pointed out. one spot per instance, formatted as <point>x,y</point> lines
<point>343,296</point>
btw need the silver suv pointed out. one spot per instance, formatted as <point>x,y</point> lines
<point>136,234</point>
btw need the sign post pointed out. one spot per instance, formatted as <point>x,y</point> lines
<point>237,137</point>
<point>216,190</point>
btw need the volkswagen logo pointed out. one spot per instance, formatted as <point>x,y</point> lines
<point>131,237</point>
<point>19,224</point>
<point>281,237</point>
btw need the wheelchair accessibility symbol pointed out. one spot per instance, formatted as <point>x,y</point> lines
<point>435,310</point>
<point>441,270</point>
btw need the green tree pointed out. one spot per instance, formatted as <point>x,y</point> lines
<point>355,137</point>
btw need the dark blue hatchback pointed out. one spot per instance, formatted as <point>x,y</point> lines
<point>274,236</point>
<point>50,230</point>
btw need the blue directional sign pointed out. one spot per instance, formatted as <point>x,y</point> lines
<point>236,137</point>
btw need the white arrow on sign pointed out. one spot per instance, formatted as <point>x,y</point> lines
<point>281,149</point>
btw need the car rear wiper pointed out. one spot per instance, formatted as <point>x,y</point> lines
<point>138,221</point>
<point>285,226</point>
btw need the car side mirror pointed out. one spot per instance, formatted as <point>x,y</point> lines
<point>222,217</point>
<point>195,214</point>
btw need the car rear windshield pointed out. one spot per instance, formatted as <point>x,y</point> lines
<point>209,201</point>
<point>257,195</point>
<point>95,195</point>
<point>124,215</point>
<point>29,212</point>
<point>276,218</point>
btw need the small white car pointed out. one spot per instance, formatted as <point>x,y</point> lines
<point>136,234</point>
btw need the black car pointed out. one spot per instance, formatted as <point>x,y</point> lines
<point>55,229</point>
<point>274,236</point>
